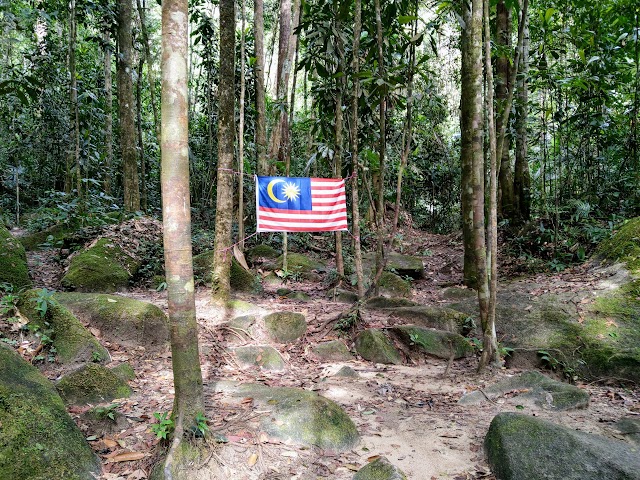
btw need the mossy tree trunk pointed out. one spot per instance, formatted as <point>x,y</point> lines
<point>220,281</point>
<point>108,120</point>
<point>261,122</point>
<point>241,128</point>
<point>176,214</point>
<point>522,175</point>
<point>337,158</point>
<point>126,108</point>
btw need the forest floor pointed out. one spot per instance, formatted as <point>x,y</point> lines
<point>409,413</point>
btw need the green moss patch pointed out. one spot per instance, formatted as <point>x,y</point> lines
<point>373,345</point>
<point>394,285</point>
<point>543,390</point>
<point>38,438</point>
<point>433,342</point>
<point>624,245</point>
<point>92,383</point>
<point>302,417</point>
<point>13,261</point>
<point>284,327</point>
<point>384,302</point>
<point>403,265</point>
<point>120,319</point>
<point>442,318</point>
<point>263,356</point>
<point>103,267</point>
<point>53,236</point>
<point>73,342</point>
<point>380,469</point>
<point>261,251</point>
<point>299,263</point>
<point>124,371</point>
<point>523,447</point>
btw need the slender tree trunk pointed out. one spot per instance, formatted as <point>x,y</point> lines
<point>337,157</point>
<point>143,163</point>
<point>381,152</point>
<point>489,341</point>
<point>355,200</point>
<point>261,123</point>
<point>126,109</point>
<point>148,59</point>
<point>74,151</point>
<point>522,175</point>
<point>221,288</point>
<point>469,112</point>
<point>503,77</point>
<point>176,215</point>
<point>108,121</point>
<point>241,129</point>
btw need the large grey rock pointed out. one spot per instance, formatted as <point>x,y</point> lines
<point>373,345</point>
<point>403,265</point>
<point>121,320</point>
<point>92,383</point>
<point>380,469</point>
<point>442,318</point>
<point>542,390</point>
<point>433,342</point>
<point>263,356</point>
<point>385,302</point>
<point>332,351</point>
<point>38,438</point>
<point>520,447</point>
<point>630,427</point>
<point>302,417</point>
<point>285,327</point>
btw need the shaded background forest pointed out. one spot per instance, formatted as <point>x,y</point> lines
<point>578,122</point>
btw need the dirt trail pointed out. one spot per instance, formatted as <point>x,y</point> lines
<point>407,413</point>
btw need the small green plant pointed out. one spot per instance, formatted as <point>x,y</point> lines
<point>96,357</point>
<point>553,363</point>
<point>200,429</point>
<point>43,300</point>
<point>107,412</point>
<point>348,321</point>
<point>164,426</point>
<point>161,287</point>
<point>289,276</point>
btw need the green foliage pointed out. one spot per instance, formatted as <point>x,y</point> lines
<point>164,425</point>
<point>200,429</point>
<point>106,412</point>
<point>42,300</point>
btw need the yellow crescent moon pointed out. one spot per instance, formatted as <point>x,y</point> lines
<point>270,191</point>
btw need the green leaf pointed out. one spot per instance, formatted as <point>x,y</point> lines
<point>548,14</point>
<point>404,19</point>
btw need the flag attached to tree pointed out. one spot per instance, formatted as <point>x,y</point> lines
<point>295,204</point>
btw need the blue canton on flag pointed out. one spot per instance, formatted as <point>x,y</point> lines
<point>288,204</point>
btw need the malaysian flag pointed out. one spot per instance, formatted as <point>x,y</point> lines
<point>286,204</point>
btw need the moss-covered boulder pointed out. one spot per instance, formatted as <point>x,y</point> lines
<point>124,371</point>
<point>522,447</point>
<point>51,236</point>
<point>13,261</point>
<point>298,296</point>
<point>442,318</point>
<point>386,302</point>
<point>347,372</point>
<point>302,417</point>
<point>630,428</point>
<point>623,245</point>
<point>544,391</point>
<point>103,267</point>
<point>285,327</point>
<point>73,342</point>
<point>263,356</point>
<point>380,469</point>
<point>393,285</point>
<point>434,342</point>
<point>332,351</point>
<point>340,295</point>
<point>403,265</point>
<point>90,384</point>
<point>261,251</point>
<point>299,263</point>
<point>38,438</point>
<point>373,345</point>
<point>240,279</point>
<point>121,320</point>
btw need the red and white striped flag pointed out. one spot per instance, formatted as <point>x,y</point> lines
<point>295,204</point>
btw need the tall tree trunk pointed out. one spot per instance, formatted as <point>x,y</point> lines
<point>176,215</point>
<point>522,175</point>
<point>241,129</point>
<point>381,151</point>
<point>502,88</point>
<point>126,109</point>
<point>74,151</point>
<point>261,123</point>
<point>143,162</point>
<point>337,157</point>
<point>488,312</point>
<point>355,201</point>
<point>148,60</point>
<point>108,111</point>
<point>469,112</point>
<point>221,288</point>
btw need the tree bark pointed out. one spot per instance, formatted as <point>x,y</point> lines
<point>147,58</point>
<point>355,201</point>
<point>261,124</point>
<point>221,288</point>
<point>108,120</point>
<point>74,151</point>
<point>126,109</point>
<point>470,104</point>
<point>176,214</point>
<point>337,157</point>
<point>143,162</point>
<point>241,129</point>
<point>502,88</point>
<point>522,175</point>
